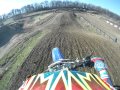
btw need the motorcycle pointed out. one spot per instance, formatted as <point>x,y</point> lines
<point>62,74</point>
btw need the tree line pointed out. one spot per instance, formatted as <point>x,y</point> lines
<point>46,5</point>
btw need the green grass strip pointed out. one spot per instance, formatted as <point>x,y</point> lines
<point>19,59</point>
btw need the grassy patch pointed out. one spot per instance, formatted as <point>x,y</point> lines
<point>19,58</point>
<point>8,56</point>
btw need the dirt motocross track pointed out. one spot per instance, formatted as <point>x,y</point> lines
<point>69,35</point>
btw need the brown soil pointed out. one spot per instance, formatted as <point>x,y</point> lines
<point>99,22</point>
<point>67,34</point>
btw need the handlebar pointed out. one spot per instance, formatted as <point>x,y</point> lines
<point>71,63</point>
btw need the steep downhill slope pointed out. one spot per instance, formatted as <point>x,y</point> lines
<point>69,35</point>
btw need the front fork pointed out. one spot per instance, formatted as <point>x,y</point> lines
<point>101,67</point>
<point>57,54</point>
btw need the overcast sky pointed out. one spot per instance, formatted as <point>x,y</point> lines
<point>7,5</point>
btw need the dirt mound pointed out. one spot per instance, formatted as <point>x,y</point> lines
<point>67,34</point>
<point>8,31</point>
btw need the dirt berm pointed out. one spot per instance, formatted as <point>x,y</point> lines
<point>69,35</point>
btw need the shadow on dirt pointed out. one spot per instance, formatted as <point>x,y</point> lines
<point>117,87</point>
<point>8,31</point>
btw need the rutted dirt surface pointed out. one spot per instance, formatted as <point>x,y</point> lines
<point>67,34</point>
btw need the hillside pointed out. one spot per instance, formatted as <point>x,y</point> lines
<point>73,32</point>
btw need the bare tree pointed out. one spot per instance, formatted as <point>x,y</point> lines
<point>55,4</point>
